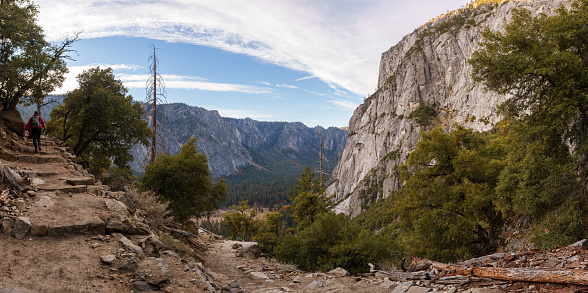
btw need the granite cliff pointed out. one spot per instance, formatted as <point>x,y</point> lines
<point>234,143</point>
<point>426,69</point>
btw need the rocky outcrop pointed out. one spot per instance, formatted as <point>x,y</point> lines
<point>428,67</point>
<point>231,143</point>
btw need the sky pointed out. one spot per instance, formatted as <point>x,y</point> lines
<point>309,61</point>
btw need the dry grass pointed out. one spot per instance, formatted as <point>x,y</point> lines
<point>146,204</point>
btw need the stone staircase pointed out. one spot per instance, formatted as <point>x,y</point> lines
<point>62,198</point>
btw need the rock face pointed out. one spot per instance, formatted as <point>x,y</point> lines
<point>426,68</point>
<point>232,143</point>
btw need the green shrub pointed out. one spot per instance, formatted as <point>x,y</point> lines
<point>423,115</point>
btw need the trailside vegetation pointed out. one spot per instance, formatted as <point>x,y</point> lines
<point>184,181</point>
<point>542,62</point>
<point>460,187</point>
<point>317,238</point>
<point>100,122</point>
<point>29,65</point>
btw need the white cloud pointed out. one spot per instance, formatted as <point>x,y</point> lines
<point>306,77</point>
<point>347,105</point>
<point>338,42</point>
<point>171,81</point>
<point>264,83</point>
<point>287,86</point>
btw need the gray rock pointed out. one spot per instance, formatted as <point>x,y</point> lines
<point>7,225</point>
<point>251,249</point>
<point>22,226</point>
<point>234,284</point>
<point>403,288</point>
<point>116,206</point>
<point>81,181</point>
<point>339,272</point>
<point>316,284</point>
<point>130,264</point>
<point>297,280</point>
<point>117,223</point>
<point>156,271</point>
<point>108,259</point>
<point>258,276</point>
<point>130,246</point>
<point>141,286</point>
<point>417,289</point>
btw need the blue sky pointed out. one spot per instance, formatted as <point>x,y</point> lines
<point>312,61</point>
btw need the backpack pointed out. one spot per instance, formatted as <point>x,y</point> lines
<point>35,121</point>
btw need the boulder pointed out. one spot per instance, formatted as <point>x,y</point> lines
<point>339,272</point>
<point>22,226</point>
<point>251,249</point>
<point>116,206</point>
<point>402,288</point>
<point>258,276</point>
<point>156,272</point>
<point>117,223</point>
<point>13,121</point>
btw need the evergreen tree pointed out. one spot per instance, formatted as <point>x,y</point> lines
<point>185,182</point>
<point>100,121</point>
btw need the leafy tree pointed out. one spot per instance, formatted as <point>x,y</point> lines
<point>446,208</point>
<point>184,181</point>
<point>332,241</point>
<point>271,232</point>
<point>29,65</point>
<point>307,199</point>
<point>100,121</point>
<point>241,220</point>
<point>542,62</point>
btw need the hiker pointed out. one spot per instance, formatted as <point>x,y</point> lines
<point>35,127</point>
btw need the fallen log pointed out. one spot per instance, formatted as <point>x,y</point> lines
<point>558,276</point>
<point>11,178</point>
<point>561,276</point>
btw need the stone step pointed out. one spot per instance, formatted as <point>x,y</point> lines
<point>53,215</point>
<point>41,159</point>
<point>63,188</point>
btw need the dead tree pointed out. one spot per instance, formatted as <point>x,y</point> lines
<point>155,91</point>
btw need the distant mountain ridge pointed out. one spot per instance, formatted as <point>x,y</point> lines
<point>232,144</point>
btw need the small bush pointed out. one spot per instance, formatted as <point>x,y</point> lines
<point>423,115</point>
<point>147,205</point>
<point>175,245</point>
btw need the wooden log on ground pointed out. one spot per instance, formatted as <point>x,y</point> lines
<point>560,276</point>
<point>557,276</point>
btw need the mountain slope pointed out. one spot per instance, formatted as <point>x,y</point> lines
<point>253,152</point>
<point>426,69</point>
